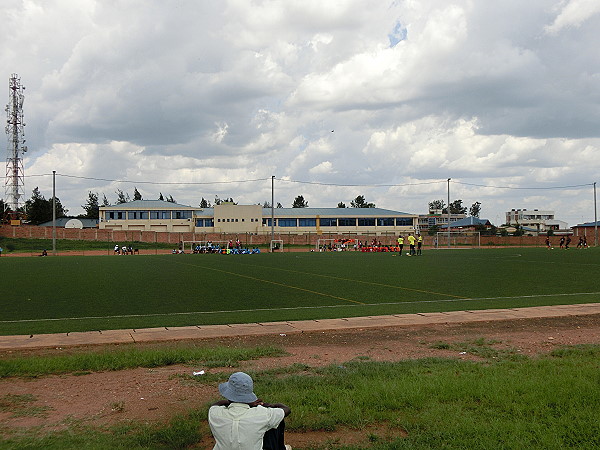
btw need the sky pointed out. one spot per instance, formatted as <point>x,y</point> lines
<point>335,99</point>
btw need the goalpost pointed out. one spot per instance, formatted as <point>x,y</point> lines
<point>323,244</point>
<point>276,245</point>
<point>458,239</point>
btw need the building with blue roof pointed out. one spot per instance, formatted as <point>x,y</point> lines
<point>162,216</point>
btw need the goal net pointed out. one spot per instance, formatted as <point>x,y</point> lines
<point>457,239</point>
<point>276,245</point>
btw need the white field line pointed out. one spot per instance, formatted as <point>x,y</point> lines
<point>446,300</point>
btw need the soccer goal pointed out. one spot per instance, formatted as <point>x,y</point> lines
<point>458,239</point>
<point>276,245</point>
<point>324,245</point>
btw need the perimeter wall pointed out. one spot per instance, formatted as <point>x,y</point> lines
<point>118,236</point>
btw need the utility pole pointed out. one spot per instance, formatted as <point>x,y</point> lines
<point>449,212</point>
<point>595,218</point>
<point>272,211</point>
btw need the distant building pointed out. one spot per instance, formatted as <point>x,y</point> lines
<point>158,215</point>
<point>535,219</point>
<point>436,219</point>
<point>469,224</point>
<point>72,222</point>
<point>586,229</point>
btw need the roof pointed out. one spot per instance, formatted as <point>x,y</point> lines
<point>588,224</point>
<point>333,212</point>
<point>468,222</point>
<point>61,222</point>
<point>146,204</point>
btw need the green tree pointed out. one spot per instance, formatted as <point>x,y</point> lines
<point>136,194</point>
<point>105,200</point>
<point>170,199</point>
<point>456,207</point>
<point>204,203</point>
<point>266,204</point>
<point>91,207</point>
<point>437,205</point>
<point>341,205</point>
<point>360,202</point>
<point>122,197</point>
<point>279,205</point>
<point>160,197</point>
<point>39,210</point>
<point>299,202</point>
<point>475,209</point>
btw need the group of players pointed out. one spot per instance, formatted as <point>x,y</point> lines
<point>412,240</point>
<point>566,242</point>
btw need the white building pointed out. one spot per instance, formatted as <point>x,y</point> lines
<point>537,219</point>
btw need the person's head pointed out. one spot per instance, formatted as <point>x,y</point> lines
<point>239,388</point>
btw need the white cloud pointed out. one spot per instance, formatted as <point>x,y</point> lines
<point>573,13</point>
<point>502,94</point>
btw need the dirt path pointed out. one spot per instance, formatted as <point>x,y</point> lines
<point>156,395</point>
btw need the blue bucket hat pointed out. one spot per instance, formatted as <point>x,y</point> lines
<point>238,388</point>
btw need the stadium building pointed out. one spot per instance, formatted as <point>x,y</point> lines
<point>229,218</point>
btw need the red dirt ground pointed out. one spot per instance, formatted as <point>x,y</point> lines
<point>156,395</point>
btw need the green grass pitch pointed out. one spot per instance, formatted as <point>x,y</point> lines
<point>81,293</point>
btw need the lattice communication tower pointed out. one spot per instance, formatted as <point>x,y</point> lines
<point>15,176</point>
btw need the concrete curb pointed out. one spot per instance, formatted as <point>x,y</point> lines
<point>22,342</point>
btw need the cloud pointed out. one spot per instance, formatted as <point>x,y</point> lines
<point>572,14</point>
<point>501,94</point>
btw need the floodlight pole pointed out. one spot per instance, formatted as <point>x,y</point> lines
<point>449,212</point>
<point>54,212</point>
<point>272,211</point>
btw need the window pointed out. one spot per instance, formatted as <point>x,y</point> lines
<point>347,222</point>
<point>137,215</point>
<point>118,215</point>
<point>328,222</point>
<point>385,222</point>
<point>205,222</point>
<point>366,222</point>
<point>267,222</point>
<point>288,223</point>
<point>308,222</point>
<point>407,222</point>
<point>182,214</point>
<point>160,215</point>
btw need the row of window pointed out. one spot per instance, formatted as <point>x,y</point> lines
<point>302,222</point>
<point>144,215</point>
<point>343,222</point>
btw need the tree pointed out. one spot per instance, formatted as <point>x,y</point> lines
<point>91,207</point>
<point>170,199</point>
<point>39,210</point>
<point>122,197</point>
<point>456,207</point>
<point>136,194</point>
<point>437,205</point>
<point>105,200</point>
<point>299,202</point>
<point>204,203</point>
<point>360,202</point>
<point>160,197</point>
<point>266,204</point>
<point>475,209</point>
<point>279,205</point>
<point>341,205</point>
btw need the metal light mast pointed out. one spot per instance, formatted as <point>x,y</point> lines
<point>14,182</point>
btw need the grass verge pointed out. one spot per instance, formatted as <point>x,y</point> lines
<point>549,402</point>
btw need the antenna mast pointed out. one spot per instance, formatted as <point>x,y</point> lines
<point>15,176</point>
